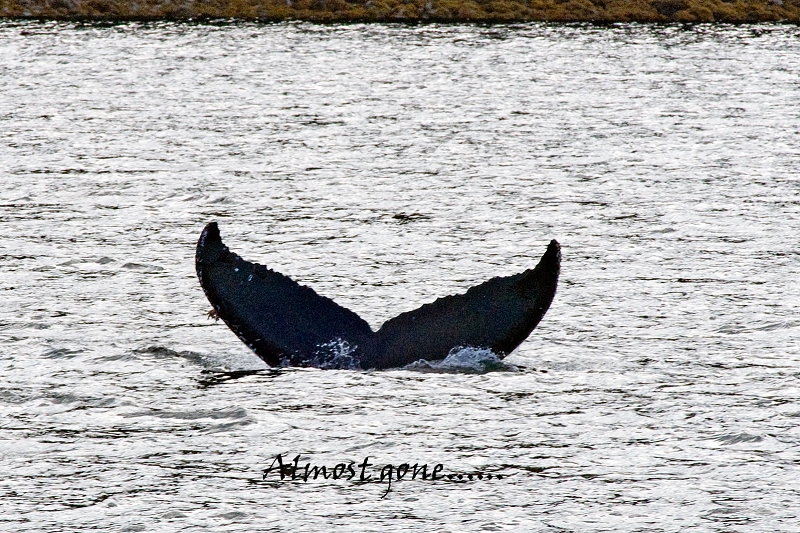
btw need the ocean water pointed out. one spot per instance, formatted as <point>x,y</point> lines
<point>661,392</point>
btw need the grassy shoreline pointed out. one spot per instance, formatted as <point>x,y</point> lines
<point>603,11</point>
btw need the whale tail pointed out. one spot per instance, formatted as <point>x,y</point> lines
<point>286,323</point>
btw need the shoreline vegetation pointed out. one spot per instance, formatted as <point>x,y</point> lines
<point>488,11</point>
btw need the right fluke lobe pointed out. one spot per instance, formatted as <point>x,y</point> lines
<point>498,314</point>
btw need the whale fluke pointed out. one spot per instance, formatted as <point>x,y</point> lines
<point>286,323</point>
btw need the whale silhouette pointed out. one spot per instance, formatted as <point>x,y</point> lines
<point>288,324</point>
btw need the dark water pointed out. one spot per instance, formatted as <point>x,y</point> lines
<point>660,393</point>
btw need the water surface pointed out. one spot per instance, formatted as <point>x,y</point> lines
<point>660,392</point>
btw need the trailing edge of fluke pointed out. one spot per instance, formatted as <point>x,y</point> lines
<point>288,324</point>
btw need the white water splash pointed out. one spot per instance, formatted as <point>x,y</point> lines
<point>336,354</point>
<point>463,359</point>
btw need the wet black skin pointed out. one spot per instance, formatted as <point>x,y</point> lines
<point>286,323</point>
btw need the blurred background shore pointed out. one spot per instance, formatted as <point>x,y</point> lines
<point>738,11</point>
